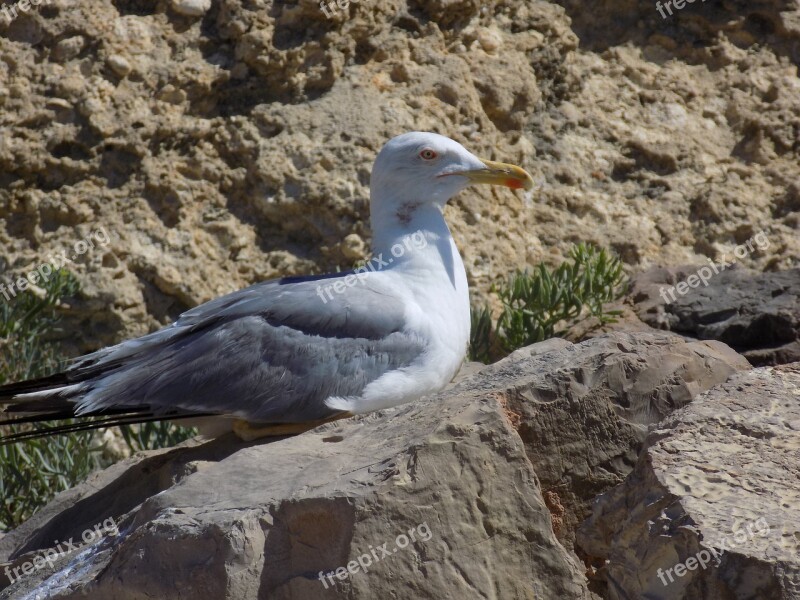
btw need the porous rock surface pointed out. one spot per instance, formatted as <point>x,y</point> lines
<point>223,143</point>
<point>225,519</point>
<point>717,485</point>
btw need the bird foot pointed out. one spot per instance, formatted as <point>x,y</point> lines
<point>249,432</point>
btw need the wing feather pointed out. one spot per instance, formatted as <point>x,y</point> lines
<point>272,352</point>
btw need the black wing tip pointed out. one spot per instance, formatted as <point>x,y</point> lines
<point>87,423</point>
<point>39,384</point>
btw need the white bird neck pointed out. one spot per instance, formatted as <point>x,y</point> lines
<point>418,242</point>
<point>397,226</point>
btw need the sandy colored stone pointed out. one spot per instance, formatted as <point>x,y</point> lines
<point>240,151</point>
<point>515,451</point>
<point>583,410</point>
<point>119,64</point>
<point>191,8</point>
<point>719,476</point>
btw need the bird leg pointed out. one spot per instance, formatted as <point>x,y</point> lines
<point>249,432</point>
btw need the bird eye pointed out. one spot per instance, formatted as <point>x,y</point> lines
<point>427,154</point>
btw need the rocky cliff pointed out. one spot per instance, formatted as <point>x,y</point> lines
<point>222,143</point>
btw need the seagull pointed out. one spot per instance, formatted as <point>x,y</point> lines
<point>283,356</point>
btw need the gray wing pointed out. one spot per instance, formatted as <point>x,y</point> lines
<point>272,352</point>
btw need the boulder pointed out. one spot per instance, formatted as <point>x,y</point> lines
<point>224,519</point>
<point>583,410</point>
<point>436,499</point>
<point>712,509</point>
<point>756,314</point>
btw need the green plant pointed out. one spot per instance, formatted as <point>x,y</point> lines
<point>537,303</point>
<point>25,321</point>
<point>33,471</point>
<point>480,343</point>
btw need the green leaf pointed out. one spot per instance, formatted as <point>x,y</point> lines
<point>534,302</point>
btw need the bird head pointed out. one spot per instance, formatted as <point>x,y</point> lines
<point>418,168</point>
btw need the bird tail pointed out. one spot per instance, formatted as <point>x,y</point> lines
<point>28,408</point>
<point>41,397</point>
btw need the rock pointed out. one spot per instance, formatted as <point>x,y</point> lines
<point>757,314</point>
<point>191,8</point>
<point>583,410</point>
<point>68,48</point>
<point>228,520</point>
<point>353,247</point>
<point>265,519</point>
<point>627,321</point>
<point>490,39</point>
<point>119,64</point>
<point>449,13</point>
<point>712,509</point>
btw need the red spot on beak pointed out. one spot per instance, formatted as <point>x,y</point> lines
<point>514,184</point>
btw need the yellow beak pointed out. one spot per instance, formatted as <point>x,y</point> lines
<point>497,173</point>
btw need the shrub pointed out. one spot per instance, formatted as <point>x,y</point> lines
<point>33,471</point>
<point>535,304</point>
